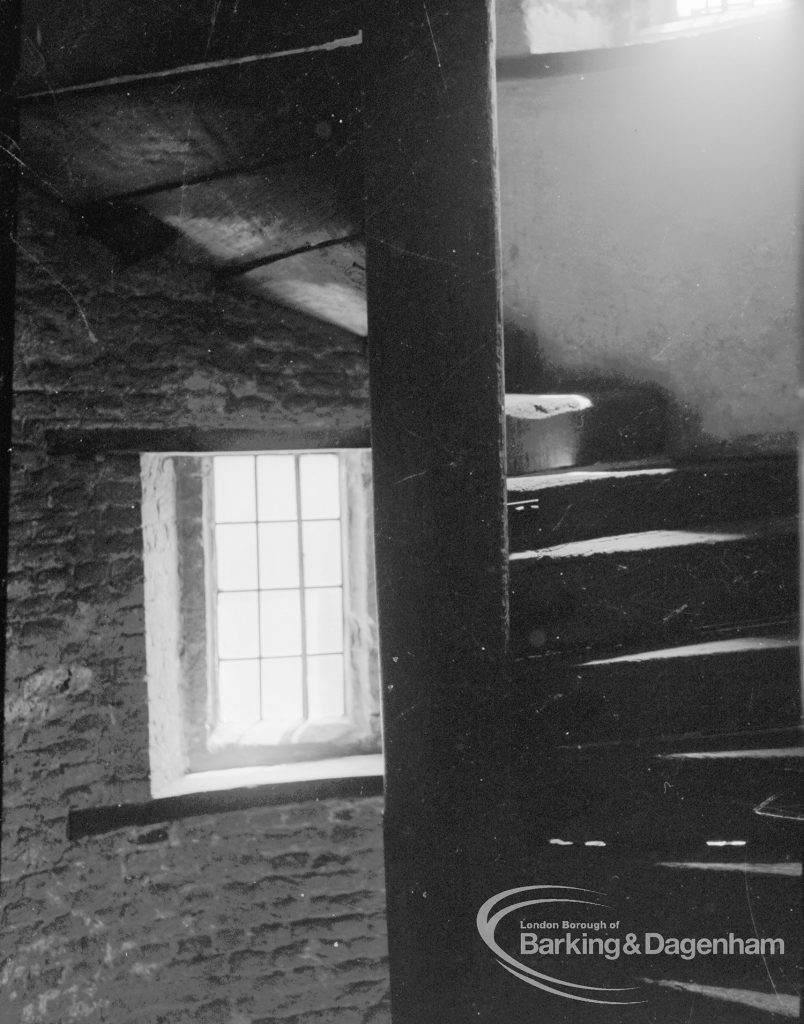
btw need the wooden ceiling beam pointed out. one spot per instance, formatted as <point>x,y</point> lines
<point>91,146</point>
<point>131,37</point>
<point>172,161</point>
<point>248,219</point>
<point>237,267</point>
<point>327,283</point>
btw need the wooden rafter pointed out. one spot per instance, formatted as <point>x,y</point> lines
<point>132,38</point>
<point>95,145</point>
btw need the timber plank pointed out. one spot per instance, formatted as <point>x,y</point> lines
<point>132,38</point>
<point>90,146</point>
<point>598,501</point>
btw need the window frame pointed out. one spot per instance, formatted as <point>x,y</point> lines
<point>188,748</point>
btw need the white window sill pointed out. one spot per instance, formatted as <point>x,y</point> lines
<point>357,766</point>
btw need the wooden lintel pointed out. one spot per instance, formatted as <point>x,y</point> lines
<point>93,821</point>
<point>435,367</point>
<point>121,440</point>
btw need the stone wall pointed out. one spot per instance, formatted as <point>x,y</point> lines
<point>239,917</point>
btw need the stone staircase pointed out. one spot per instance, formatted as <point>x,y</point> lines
<point>667,595</point>
<point>656,696</point>
<point>656,607</point>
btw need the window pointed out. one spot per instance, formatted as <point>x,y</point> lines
<point>260,616</point>
<point>695,15</point>
<point>694,8</point>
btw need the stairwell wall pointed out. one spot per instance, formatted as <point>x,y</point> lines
<point>650,223</point>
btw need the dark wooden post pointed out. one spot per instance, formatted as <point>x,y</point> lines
<point>437,435</point>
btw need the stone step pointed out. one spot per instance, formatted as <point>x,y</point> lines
<point>553,431</point>
<point>632,798</point>
<point>598,501</point>
<point>718,694</point>
<point>653,589</point>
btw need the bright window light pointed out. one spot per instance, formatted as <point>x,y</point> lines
<point>697,8</point>
<point>260,617</point>
<point>278,602</point>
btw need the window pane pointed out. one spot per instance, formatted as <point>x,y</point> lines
<point>279,555</point>
<point>276,487</point>
<point>324,613</point>
<point>280,622</point>
<point>233,477</point>
<point>320,486</point>
<point>282,700</point>
<point>321,543</point>
<point>236,556</point>
<point>325,686</point>
<point>238,626</point>
<point>239,691</point>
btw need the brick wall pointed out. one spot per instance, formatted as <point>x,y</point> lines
<point>241,917</point>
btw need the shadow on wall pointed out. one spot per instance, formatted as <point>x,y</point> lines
<point>632,405</point>
<point>650,230</point>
